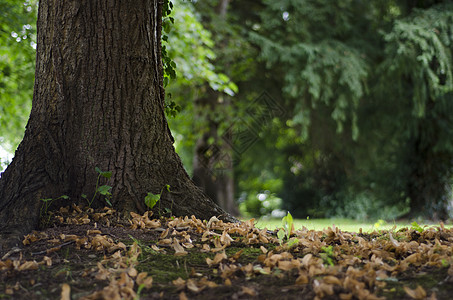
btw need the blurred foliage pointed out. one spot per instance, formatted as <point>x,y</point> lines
<point>17,61</point>
<point>381,69</point>
<point>190,46</point>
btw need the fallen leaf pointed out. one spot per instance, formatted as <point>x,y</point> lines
<point>249,291</point>
<point>179,250</point>
<point>182,296</point>
<point>217,259</point>
<point>302,279</point>
<point>65,292</point>
<point>418,294</point>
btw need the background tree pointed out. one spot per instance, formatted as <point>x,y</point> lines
<point>418,64</point>
<point>98,102</point>
<point>371,68</point>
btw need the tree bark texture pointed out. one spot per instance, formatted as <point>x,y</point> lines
<point>98,102</point>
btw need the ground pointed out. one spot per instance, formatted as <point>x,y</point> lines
<point>88,254</point>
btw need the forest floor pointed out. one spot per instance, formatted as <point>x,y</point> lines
<point>88,254</point>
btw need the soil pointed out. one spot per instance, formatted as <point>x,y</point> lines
<point>88,254</point>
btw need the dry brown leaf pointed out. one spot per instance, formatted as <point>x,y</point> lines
<point>164,234</point>
<point>302,279</point>
<point>47,260</point>
<point>210,284</point>
<point>132,272</point>
<point>65,292</point>
<point>394,242</point>
<point>413,258</point>
<point>344,296</point>
<point>217,259</point>
<point>179,250</point>
<point>179,283</point>
<point>332,280</point>
<point>182,296</point>
<point>165,242</point>
<point>93,231</point>
<point>143,278</point>
<point>286,265</point>
<point>237,255</point>
<point>28,265</point>
<point>419,293</point>
<point>193,286</point>
<point>155,248</point>
<point>249,291</point>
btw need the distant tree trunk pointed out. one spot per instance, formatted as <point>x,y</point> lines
<point>429,177</point>
<point>98,102</point>
<point>213,155</point>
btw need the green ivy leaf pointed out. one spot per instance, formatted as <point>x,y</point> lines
<point>105,174</point>
<point>104,190</point>
<point>151,199</point>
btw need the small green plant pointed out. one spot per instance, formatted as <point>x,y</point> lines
<point>152,199</point>
<point>45,208</point>
<point>416,227</point>
<point>379,223</point>
<point>286,231</point>
<point>103,189</point>
<point>327,255</point>
<point>47,202</point>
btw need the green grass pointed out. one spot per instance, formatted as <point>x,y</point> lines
<point>344,224</point>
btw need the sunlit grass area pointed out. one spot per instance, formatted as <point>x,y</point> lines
<point>344,224</point>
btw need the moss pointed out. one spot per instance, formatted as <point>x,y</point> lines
<point>166,267</point>
<point>434,280</point>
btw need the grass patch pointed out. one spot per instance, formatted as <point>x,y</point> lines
<point>346,225</point>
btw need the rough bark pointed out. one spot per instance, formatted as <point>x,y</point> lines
<point>98,102</point>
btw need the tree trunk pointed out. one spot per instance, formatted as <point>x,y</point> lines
<point>429,177</point>
<point>98,102</point>
<point>429,185</point>
<point>213,155</point>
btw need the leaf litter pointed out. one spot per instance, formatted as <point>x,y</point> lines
<point>238,260</point>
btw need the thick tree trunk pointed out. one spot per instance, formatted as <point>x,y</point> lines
<point>98,102</point>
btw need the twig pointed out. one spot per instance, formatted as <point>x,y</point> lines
<point>53,249</point>
<point>12,251</point>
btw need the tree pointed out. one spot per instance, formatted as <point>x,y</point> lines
<point>98,102</point>
<point>418,70</point>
